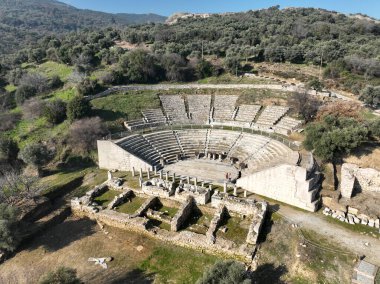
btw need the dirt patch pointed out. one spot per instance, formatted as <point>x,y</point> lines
<point>71,244</point>
<point>130,46</point>
<point>366,157</point>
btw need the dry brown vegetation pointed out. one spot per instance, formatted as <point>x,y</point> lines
<point>340,108</point>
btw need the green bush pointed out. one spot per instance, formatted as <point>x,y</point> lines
<point>78,108</point>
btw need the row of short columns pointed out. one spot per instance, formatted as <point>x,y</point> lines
<point>195,180</point>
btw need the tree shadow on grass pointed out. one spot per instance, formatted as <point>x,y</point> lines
<point>108,115</point>
<point>136,276</point>
<point>61,235</point>
<point>268,273</point>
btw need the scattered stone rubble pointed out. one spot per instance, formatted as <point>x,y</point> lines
<point>158,187</point>
<point>200,194</point>
<point>352,217</point>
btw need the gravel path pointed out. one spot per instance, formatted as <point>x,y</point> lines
<point>346,238</point>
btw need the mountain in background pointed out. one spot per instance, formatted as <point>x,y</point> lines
<point>24,21</point>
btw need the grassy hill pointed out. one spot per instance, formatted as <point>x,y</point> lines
<point>24,22</point>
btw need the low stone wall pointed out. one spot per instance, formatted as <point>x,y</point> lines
<point>97,191</point>
<point>232,203</point>
<point>151,202</point>
<point>215,223</point>
<point>355,178</point>
<point>225,248</point>
<point>200,194</point>
<point>183,214</point>
<point>120,199</point>
<point>257,223</point>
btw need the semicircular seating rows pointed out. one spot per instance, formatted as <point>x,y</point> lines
<point>256,151</point>
<point>216,110</point>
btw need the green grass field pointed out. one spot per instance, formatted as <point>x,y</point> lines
<point>173,264</point>
<point>51,69</point>
<point>126,106</point>
<point>131,207</point>
<point>236,230</point>
<point>106,197</point>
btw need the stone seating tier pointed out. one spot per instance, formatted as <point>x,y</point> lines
<point>224,107</point>
<point>199,107</point>
<point>272,114</point>
<point>247,113</point>
<point>174,106</point>
<point>154,116</point>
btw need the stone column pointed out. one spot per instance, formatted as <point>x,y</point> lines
<point>140,181</point>
<point>188,180</point>
<point>245,193</point>
<point>133,171</point>
<point>141,173</point>
<point>210,187</point>
<point>160,174</point>
<point>173,177</point>
<point>235,190</point>
<point>225,187</point>
<point>195,181</point>
<point>167,176</point>
<point>155,170</point>
<point>148,174</point>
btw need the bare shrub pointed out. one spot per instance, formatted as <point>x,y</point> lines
<point>304,105</point>
<point>340,109</point>
<point>84,133</point>
<point>33,108</point>
<point>8,121</point>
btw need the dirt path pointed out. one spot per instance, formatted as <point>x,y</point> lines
<point>349,239</point>
<point>163,87</point>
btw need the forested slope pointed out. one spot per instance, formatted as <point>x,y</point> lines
<point>22,22</point>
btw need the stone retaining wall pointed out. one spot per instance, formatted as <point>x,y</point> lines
<point>111,156</point>
<point>286,183</point>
